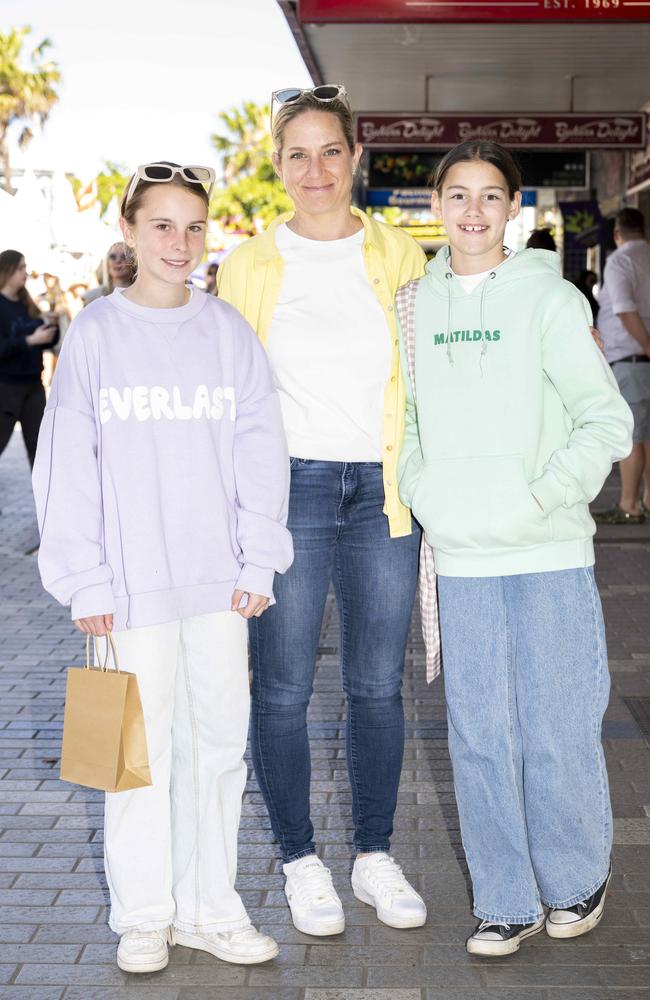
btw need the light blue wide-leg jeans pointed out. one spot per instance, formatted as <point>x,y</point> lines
<point>527,685</point>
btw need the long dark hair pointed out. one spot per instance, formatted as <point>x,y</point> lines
<point>488,152</point>
<point>10,261</point>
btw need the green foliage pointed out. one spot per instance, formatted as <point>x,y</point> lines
<point>27,89</point>
<point>247,144</point>
<point>579,221</point>
<point>251,193</point>
<point>248,200</point>
<point>111,182</point>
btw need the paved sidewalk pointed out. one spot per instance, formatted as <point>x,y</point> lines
<point>54,942</point>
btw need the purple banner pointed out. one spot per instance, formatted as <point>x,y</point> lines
<point>534,131</point>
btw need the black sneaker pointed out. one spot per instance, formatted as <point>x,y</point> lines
<point>492,939</point>
<point>578,919</point>
<point>615,515</point>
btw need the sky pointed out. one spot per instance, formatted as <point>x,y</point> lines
<point>144,80</point>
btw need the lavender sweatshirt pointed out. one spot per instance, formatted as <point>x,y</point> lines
<point>161,475</point>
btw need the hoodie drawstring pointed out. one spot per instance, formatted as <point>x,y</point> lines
<point>450,356</point>
<point>484,348</point>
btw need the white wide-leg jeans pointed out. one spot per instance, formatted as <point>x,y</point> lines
<point>171,849</point>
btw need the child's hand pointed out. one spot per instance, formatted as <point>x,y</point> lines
<point>95,624</point>
<point>255,606</point>
<point>597,337</point>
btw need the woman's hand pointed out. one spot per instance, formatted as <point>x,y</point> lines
<point>42,336</point>
<point>95,624</point>
<point>597,337</point>
<point>255,606</point>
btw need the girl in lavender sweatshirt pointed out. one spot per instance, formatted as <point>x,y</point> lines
<point>161,483</point>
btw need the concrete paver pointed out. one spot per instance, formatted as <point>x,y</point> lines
<point>54,942</point>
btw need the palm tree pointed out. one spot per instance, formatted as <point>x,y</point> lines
<point>247,147</point>
<point>251,193</point>
<point>27,91</point>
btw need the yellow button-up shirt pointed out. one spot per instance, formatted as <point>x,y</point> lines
<point>250,279</point>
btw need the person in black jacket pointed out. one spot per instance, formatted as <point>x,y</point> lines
<point>24,335</point>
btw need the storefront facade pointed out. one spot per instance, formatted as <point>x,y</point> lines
<point>562,83</point>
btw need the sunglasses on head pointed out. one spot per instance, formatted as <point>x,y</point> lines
<point>164,172</point>
<point>325,93</point>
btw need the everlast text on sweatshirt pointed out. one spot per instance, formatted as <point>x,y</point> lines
<point>518,420</point>
<point>161,475</point>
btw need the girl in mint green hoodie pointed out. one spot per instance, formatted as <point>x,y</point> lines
<point>513,422</point>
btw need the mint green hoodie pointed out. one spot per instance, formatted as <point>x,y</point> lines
<point>518,420</point>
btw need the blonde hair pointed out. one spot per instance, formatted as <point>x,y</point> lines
<point>307,102</point>
<point>104,272</point>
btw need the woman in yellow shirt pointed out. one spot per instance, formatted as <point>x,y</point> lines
<point>318,287</point>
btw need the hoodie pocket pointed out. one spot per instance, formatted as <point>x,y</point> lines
<point>479,502</point>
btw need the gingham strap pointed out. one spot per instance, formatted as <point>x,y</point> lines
<point>405,302</point>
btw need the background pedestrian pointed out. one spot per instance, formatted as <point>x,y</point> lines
<point>624,323</point>
<point>116,271</point>
<point>24,335</point>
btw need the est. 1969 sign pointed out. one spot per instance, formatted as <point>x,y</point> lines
<point>422,11</point>
<point>543,131</point>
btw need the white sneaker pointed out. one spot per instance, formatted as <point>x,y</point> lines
<point>313,901</point>
<point>493,939</point>
<point>246,947</point>
<point>143,951</point>
<point>378,880</point>
<point>572,921</point>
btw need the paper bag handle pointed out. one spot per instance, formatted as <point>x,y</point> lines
<point>110,649</point>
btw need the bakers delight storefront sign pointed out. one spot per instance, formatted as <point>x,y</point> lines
<point>571,131</point>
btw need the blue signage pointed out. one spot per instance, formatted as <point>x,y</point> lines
<point>421,197</point>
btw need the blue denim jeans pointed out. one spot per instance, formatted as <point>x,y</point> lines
<point>340,536</point>
<point>527,685</point>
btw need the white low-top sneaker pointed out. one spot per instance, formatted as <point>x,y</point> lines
<point>315,906</point>
<point>143,951</point>
<point>378,880</point>
<point>493,939</point>
<point>246,947</point>
<point>572,921</point>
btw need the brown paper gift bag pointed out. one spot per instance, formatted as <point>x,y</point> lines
<point>104,739</point>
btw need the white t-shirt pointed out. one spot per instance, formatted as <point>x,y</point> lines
<point>471,281</point>
<point>330,350</point>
